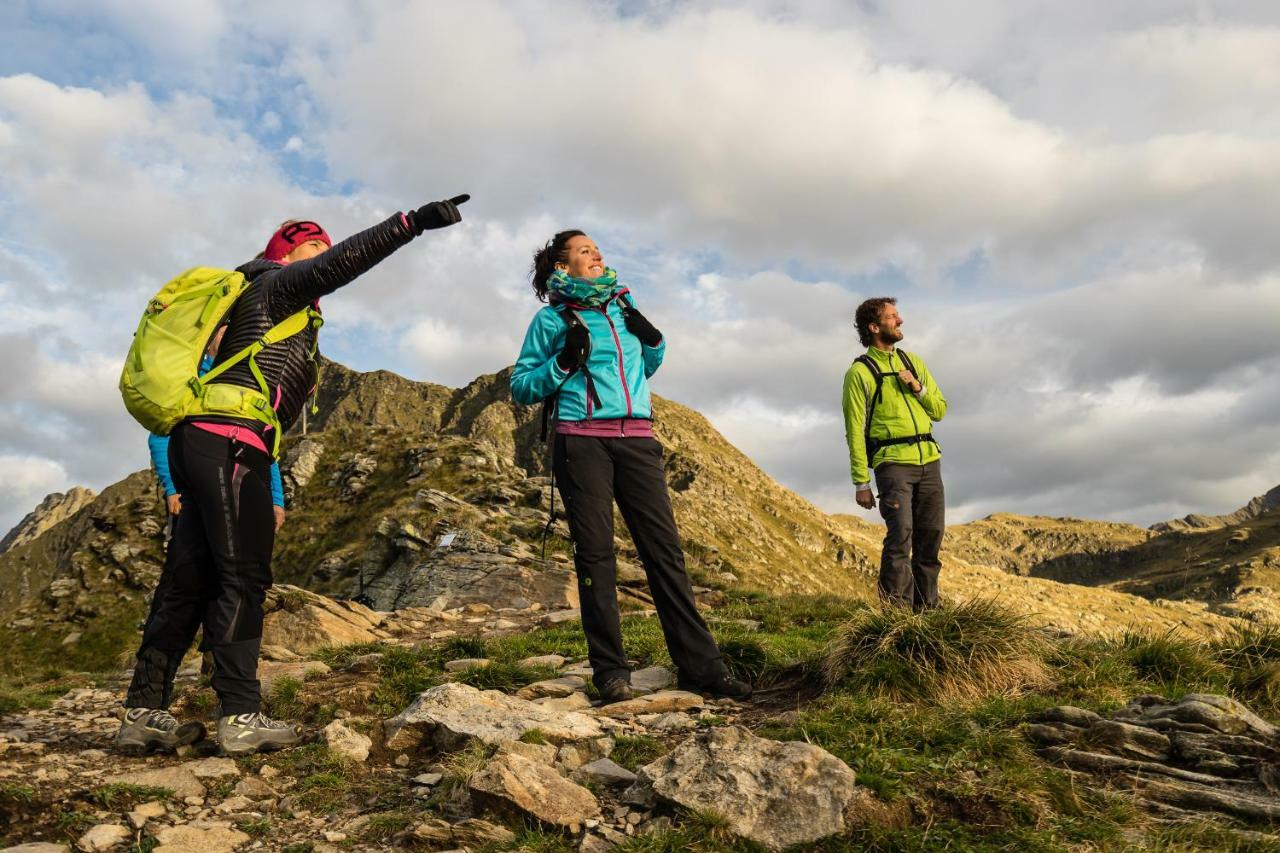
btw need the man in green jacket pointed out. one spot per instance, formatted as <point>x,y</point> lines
<point>890,401</point>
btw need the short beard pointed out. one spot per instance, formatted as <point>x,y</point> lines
<point>887,338</point>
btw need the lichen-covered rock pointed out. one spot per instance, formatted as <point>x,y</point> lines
<point>775,794</point>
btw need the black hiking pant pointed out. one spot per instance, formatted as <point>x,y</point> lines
<point>591,474</point>
<point>216,572</point>
<point>914,512</point>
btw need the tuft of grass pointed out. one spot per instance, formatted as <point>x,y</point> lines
<point>697,830</point>
<point>255,827</point>
<point>1169,658</point>
<point>746,659</point>
<point>957,653</point>
<point>458,767</point>
<point>385,826</point>
<point>339,657</point>
<point>1251,656</point>
<point>17,791</point>
<point>534,736</point>
<point>402,675</point>
<point>456,648</point>
<point>123,795</point>
<point>633,752</point>
<point>504,675</point>
<point>282,702</point>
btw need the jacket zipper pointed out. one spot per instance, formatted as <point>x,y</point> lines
<point>907,402</point>
<point>622,365</point>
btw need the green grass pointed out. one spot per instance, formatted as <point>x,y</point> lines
<point>16,792</point>
<point>635,751</point>
<point>121,796</point>
<point>257,827</point>
<point>382,827</point>
<point>37,690</point>
<point>282,700</point>
<point>505,676</point>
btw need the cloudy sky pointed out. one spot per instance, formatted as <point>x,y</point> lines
<point>1077,205</point>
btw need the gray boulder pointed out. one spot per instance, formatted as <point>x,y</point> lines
<point>775,794</point>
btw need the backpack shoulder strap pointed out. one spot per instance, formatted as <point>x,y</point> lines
<point>873,369</point>
<point>906,362</point>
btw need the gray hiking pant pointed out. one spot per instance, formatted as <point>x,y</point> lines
<point>914,511</point>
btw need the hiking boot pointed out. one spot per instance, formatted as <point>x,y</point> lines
<point>147,730</point>
<point>616,690</point>
<point>723,686</point>
<point>244,734</point>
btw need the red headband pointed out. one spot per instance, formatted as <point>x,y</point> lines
<point>290,236</point>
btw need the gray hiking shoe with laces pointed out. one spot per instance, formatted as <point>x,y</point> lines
<point>147,730</point>
<point>242,734</point>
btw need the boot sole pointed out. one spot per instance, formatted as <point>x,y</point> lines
<point>266,747</point>
<point>188,733</point>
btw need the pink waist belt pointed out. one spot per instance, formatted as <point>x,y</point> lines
<point>233,432</point>
<point>608,428</point>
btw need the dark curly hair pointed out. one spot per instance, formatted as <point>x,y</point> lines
<point>869,312</point>
<point>546,258</point>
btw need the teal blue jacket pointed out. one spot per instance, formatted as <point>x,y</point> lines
<point>620,366</point>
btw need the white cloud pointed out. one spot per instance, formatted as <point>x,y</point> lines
<point>1076,204</point>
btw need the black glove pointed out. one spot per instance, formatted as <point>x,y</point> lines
<point>577,343</point>
<point>437,214</point>
<point>641,328</point>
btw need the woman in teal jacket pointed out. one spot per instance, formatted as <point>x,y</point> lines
<point>591,353</point>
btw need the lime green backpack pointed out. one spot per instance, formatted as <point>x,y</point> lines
<point>160,382</point>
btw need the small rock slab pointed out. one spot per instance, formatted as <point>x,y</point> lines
<point>179,779</point>
<point>145,812</point>
<point>464,664</point>
<point>465,833</point>
<point>212,768</point>
<point>605,772</point>
<point>554,688</point>
<point>556,661</point>
<point>206,838</point>
<point>559,617</point>
<point>572,702</point>
<point>104,836</point>
<point>512,783</point>
<point>651,679</point>
<point>452,715</point>
<point>37,847</point>
<point>254,788</point>
<point>662,702</point>
<point>775,794</point>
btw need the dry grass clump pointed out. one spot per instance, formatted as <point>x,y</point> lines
<point>956,653</point>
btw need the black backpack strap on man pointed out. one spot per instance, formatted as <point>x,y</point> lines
<point>875,445</point>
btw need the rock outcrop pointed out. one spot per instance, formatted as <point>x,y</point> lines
<point>55,508</point>
<point>1202,753</point>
